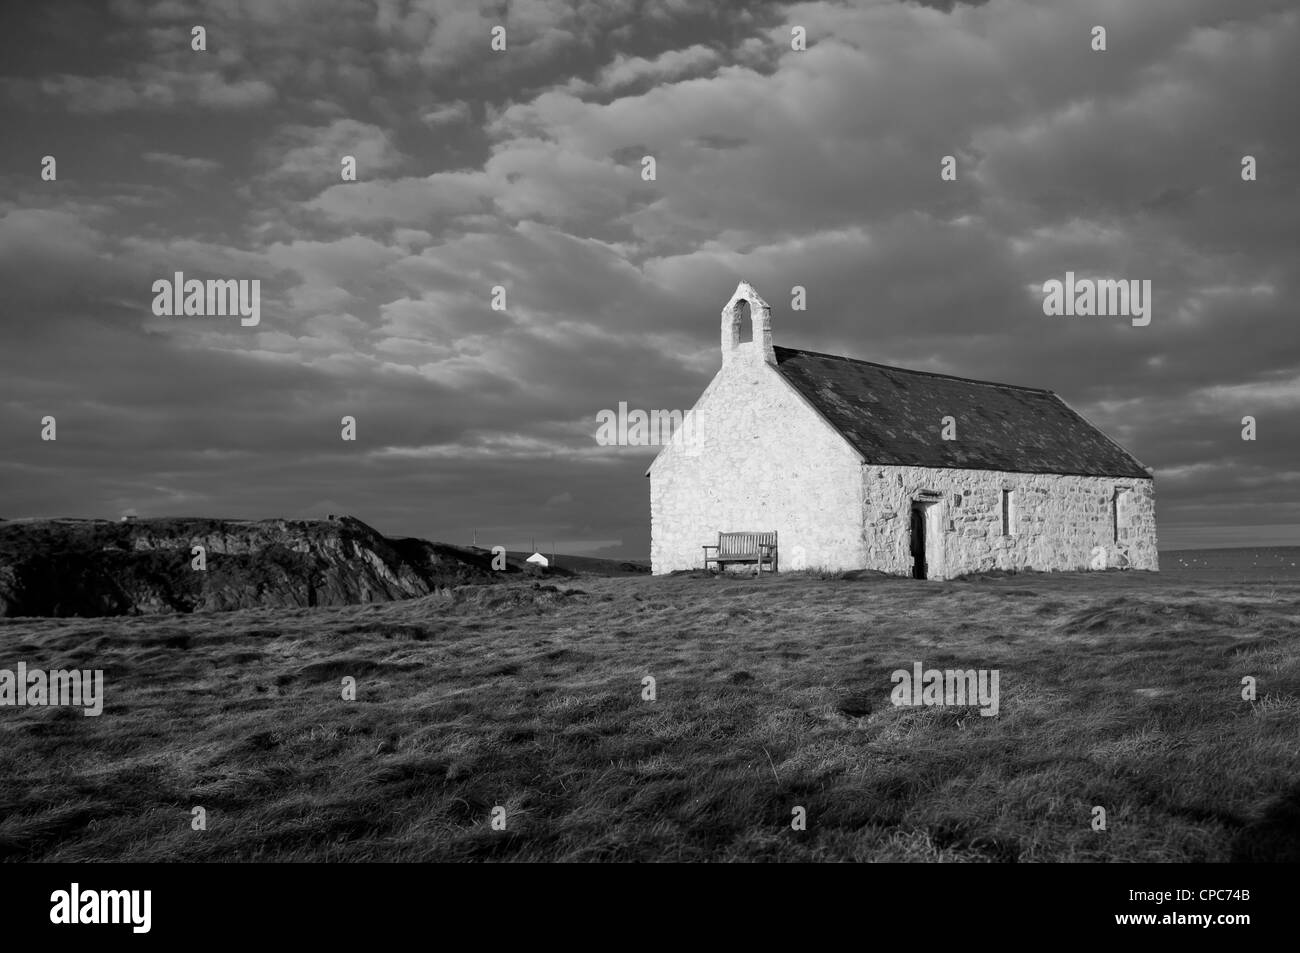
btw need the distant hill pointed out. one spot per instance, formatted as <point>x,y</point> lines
<point>76,567</point>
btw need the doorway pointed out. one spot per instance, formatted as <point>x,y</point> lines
<point>918,541</point>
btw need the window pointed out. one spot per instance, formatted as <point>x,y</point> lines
<point>1118,511</point>
<point>1008,512</point>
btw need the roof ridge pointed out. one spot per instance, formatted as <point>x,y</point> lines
<point>911,370</point>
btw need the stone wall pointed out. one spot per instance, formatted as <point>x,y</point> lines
<point>755,457</point>
<point>1059,522</point>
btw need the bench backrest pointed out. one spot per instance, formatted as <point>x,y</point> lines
<point>741,544</point>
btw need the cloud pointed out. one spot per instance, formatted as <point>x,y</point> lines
<point>152,88</point>
<point>457,111</point>
<point>411,201</point>
<point>335,274</point>
<point>670,65</point>
<point>187,164</point>
<point>313,154</point>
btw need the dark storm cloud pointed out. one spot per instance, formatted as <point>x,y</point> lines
<point>522,169</point>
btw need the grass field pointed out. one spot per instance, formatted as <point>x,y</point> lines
<point>1120,690</point>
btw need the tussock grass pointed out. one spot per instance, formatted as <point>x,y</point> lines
<point>1119,690</point>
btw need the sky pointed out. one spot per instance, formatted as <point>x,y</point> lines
<point>523,168</point>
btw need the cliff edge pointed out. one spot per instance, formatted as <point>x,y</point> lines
<point>80,567</point>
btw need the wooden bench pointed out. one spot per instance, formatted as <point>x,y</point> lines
<point>743,548</point>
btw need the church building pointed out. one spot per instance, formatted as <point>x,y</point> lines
<point>857,465</point>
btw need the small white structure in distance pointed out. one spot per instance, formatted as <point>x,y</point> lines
<point>537,559</point>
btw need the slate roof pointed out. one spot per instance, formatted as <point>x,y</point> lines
<point>892,416</point>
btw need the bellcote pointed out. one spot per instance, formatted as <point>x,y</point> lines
<point>759,348</point>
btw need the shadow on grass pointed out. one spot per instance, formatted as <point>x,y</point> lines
<point>1275,837</point>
